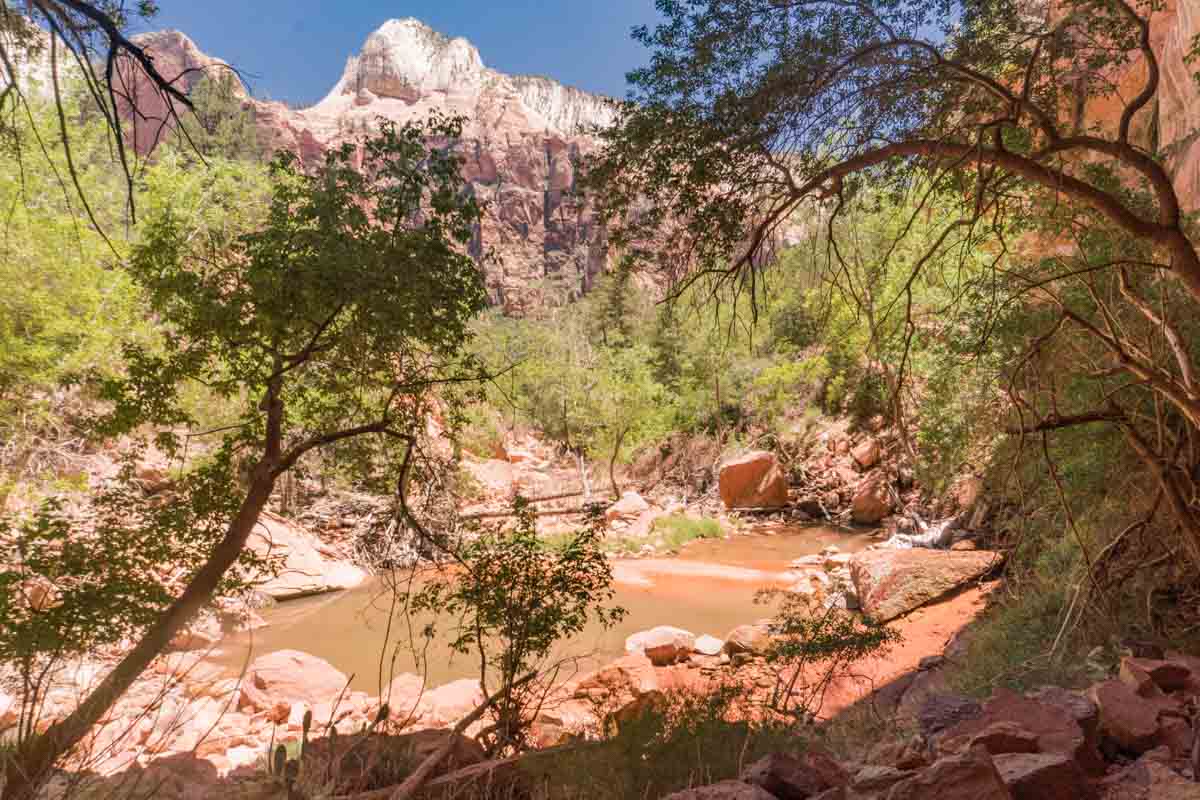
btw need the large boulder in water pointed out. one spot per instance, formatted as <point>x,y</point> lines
<point>891,583</point>
<point>754,480</point>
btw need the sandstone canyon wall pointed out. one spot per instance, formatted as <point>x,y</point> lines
<point>539,243</point>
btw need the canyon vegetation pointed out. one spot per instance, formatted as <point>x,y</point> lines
<point>880,316</point>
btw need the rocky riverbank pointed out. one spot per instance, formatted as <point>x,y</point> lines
<point>188,709</point>
<point>1130,737</point>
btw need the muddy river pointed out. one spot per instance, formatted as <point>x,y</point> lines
<point>709,587</point>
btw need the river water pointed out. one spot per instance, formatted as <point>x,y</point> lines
<point>709,587</point>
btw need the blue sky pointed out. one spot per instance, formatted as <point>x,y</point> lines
<point>294,50</point>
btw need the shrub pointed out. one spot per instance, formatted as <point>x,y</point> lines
<point>512,600</point>
<point>685,740</point>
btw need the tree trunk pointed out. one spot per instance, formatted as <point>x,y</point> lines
<point>27,768</point>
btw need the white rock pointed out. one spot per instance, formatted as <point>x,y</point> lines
<point>707,645</point>
<point>662,645</point>
<point>628,508</point>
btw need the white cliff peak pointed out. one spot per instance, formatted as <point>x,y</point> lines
<point>406,60</point>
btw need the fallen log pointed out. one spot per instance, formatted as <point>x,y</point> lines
<point>501,514</point>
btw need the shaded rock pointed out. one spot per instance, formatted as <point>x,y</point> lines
<point>795,777</point>
<point>1126,718</point>
<point>876,778</point>
<point>754,480</point>
<point>967,776</point>
<point>1084,712</point>
<point>1055,731</point>
<point>1175,733</point>
<point>1005,737</point>
<point>1149,778</point>
<point>290,676</point>
<point>753,639</point>
<point>725,790</point>
<point>904,755</point>
<point>890,583</point>
<point>1168,676</point>
<point>1042,776</point>
<point>363,762</point>
<point>663,645</point>
<point>942,711</point>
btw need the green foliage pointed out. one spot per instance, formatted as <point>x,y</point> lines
<point>685,740</point>
<point>65,308</point>
<point>812,644</point>
<point>220,125</point>
<point>71,584</point>
<point>333,310</point>
<point>320,309</point>
<point>676,530</point>
<point>512,600</point>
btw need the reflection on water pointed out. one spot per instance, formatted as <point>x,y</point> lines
<point>708,588</point>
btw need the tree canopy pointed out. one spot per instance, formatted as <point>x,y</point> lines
<point>1014,122</point>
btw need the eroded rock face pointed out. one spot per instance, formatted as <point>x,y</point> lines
<point>301,569</point>
<point>522,144</point>
<point>754,480</point>
<point>893,582</point>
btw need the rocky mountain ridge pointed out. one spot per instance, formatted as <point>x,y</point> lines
<point>525,135</point>
<point>522,143</point>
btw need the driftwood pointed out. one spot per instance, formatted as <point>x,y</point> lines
<point>501,514</point>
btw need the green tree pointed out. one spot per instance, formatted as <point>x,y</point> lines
<point>513,600</point>
<point>328,323</point>
<point>221,125</point>
<point>758,114</point>
<point>813,644</point>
